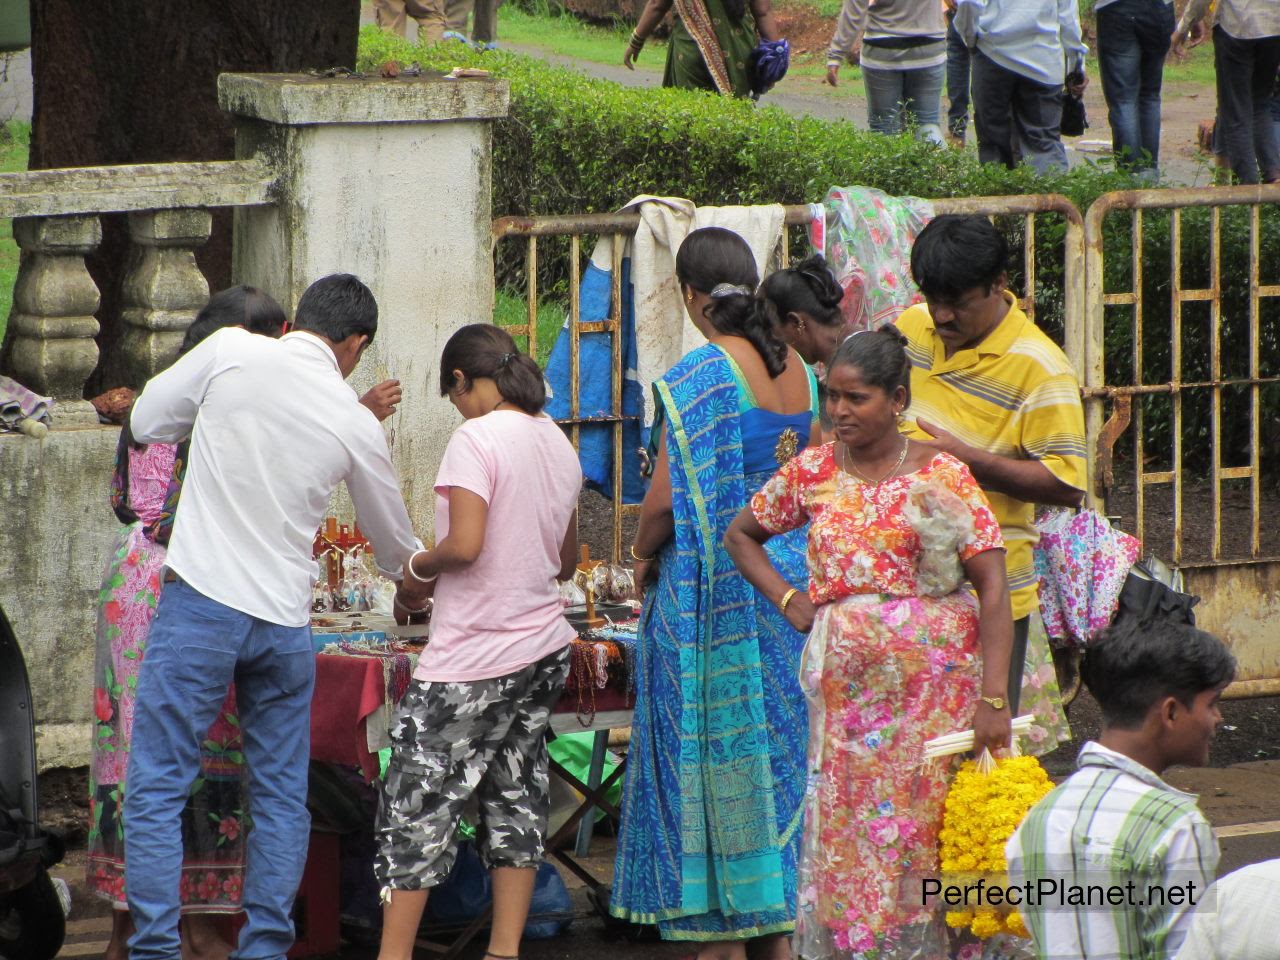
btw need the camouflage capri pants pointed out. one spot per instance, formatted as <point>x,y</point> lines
<point>451,739</point>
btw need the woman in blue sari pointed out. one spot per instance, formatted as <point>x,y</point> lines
<point>712,802</point>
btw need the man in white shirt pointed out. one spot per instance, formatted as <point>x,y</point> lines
<point>274,429</point>
<point>1246,59</point>
<point>1023,53</point>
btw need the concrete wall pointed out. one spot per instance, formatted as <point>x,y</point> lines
<point>389,180</point>
<point>56,534</point>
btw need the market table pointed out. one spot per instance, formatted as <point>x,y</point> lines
<point>362,673</point>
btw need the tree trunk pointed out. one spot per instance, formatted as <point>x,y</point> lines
<point>135,81</point>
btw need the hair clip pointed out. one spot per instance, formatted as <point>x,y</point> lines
<point>728,290</point>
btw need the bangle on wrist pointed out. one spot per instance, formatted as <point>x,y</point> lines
<point>636,42</point>
<point>787,598</point>
<point>636,558</point>
<point>408,609</point>
<point>413,573</point>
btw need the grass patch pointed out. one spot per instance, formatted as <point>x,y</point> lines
<point>510,309</point>
<point>565,35</point>
<point>15,141</point>
<point>1196,68</point>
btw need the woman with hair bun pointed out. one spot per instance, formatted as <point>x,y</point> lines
<point>474,719</point>
<point>802,304</point>
<point>715,775</point>
<point>899,650</point>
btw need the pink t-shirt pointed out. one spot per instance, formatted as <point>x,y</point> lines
<point>503,612</point>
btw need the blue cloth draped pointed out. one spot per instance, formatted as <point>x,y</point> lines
<point>595,383</point>
<point>716,768</point>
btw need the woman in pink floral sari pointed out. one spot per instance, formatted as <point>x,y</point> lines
<point>898,651</point>
<point>144,495</point>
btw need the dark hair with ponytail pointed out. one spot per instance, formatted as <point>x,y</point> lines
<point>719,263</point>
<point>483,350</point>
<point>239,306</point>
<point>808,287</point>
<point>880,356</point>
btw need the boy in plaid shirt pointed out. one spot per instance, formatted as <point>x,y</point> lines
<point>1114,860</point>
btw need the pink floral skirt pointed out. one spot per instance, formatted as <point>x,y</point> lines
<point>215,818</point>
<point>883,675</point>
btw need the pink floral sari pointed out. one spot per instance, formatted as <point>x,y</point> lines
<point>214,821</point>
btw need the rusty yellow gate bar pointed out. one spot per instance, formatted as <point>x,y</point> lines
<point>1238,581</point>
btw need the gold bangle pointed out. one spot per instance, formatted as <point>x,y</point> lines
<point>786,598</point>
<point>639,559</point>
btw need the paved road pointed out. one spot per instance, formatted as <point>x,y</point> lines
<point>15,86</point>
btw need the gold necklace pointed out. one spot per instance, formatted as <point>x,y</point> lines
<point>850,468</point>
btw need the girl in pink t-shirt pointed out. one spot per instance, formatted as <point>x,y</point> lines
<point>474,718</point>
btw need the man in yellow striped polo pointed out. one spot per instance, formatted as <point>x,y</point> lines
<point>991,389</point>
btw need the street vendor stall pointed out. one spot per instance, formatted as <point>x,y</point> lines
<point>365,664</point>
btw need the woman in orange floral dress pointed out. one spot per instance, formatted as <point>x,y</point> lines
<point>899,651</point>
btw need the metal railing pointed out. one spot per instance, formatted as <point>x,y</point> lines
<point>1134,393</point>
<point>618,225</point>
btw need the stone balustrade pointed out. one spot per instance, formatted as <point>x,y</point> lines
<point>49,344</point>
<point>340,193</point>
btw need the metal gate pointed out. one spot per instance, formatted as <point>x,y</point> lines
<point>1179,417</point>
<point>1182,391</point>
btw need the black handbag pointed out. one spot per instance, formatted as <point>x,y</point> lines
<point>1074,122</point>
<point>1149,596</point>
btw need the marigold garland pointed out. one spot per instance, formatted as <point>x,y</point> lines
<point>982,811</point>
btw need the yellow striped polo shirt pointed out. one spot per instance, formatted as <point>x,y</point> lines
<point>1015,395</point>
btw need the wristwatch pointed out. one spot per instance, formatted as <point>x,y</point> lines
<point>995,703</point>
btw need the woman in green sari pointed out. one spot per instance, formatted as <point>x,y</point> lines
<point>711,42</point>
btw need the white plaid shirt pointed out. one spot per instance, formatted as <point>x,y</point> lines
<point>1113,826</point>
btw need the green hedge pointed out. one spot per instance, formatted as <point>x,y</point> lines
<point>573,144</point>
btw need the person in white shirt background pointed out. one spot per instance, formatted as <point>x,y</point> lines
<point>1236,919</point>
<point>274,429</point>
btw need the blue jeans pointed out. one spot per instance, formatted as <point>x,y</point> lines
<point>957,81</point>
<point>897,97</point>
<point>1133,41</point>
<point>1016,119</point>
<point>195,648</point>
<point>1246,72</point>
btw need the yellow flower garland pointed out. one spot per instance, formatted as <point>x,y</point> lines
<point>982,811</point>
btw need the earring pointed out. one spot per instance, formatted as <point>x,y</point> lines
<point>800,325</point>
<point>689,296</point>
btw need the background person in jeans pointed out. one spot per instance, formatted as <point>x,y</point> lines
<point>902,47</point>
<point>1022,52</point>
<point>1246,55</point>
<point>1133,41</point>
<point>274,429</point>
<point>957,79</point>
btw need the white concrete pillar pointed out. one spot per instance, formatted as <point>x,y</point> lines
<point>388,179</point>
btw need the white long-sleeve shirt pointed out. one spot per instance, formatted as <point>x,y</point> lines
<point>1037,39</point>
<point>1240,19</point>
<point>274,429</point>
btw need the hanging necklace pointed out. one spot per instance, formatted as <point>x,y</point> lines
<point>850,468</point>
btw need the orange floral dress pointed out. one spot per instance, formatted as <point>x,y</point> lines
<point>885,669</point>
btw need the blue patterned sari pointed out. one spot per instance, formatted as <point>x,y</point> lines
<point>711,806</point>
